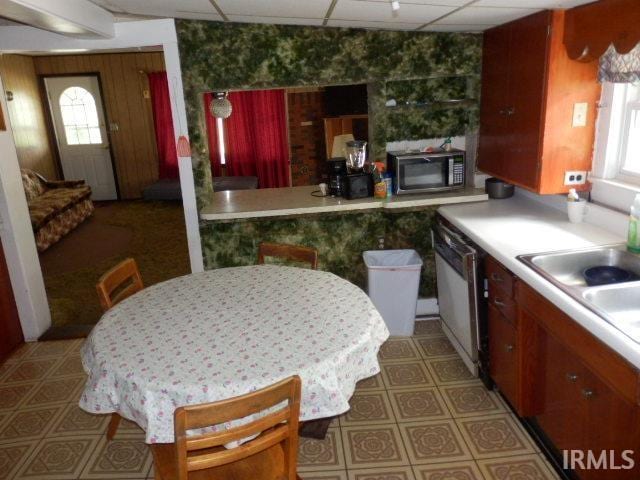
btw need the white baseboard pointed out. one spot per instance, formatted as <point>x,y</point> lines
<point>427,306</point>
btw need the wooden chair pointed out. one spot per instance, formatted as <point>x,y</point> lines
<point>271,455</point>
<point>288,252</point>
<point>124,280</point>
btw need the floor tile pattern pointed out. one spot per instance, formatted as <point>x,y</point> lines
<point>424,417</point>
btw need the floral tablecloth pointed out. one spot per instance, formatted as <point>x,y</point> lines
<point>221,333</point>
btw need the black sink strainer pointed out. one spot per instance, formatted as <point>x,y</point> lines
<point>606,275</point>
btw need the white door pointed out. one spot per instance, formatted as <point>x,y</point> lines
<point>79,122</point>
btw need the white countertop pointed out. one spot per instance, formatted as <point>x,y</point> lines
<point>517,226</point>
<point>271,202</point>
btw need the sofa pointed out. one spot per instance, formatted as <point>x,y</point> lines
<point>55,207</point>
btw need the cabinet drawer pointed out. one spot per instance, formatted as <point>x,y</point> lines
<point>503,355</point>
<point>504,304</point>
<point>500,279</point>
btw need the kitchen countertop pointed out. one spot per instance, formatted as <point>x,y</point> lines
<point>517,226</point>
<point>271,202</point>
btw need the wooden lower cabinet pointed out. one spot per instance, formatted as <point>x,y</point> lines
<point>577,391</point>
<point>503,354</point>
<point>584,395</point>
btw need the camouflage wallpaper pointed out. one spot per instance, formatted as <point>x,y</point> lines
<point>415,66</point>
<point>339,237</point>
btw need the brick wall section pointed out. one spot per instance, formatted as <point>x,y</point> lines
<point>306,137</point>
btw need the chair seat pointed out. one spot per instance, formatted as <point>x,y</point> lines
<point>265,465</point>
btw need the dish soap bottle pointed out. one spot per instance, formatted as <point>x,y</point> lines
<point>633,242</point>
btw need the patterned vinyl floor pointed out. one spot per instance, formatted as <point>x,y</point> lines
<point>422,418</point>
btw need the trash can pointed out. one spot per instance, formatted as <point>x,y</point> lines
<point>393,278</point>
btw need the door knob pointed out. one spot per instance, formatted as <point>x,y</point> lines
<point>509,348</point>
<point>572,377</point>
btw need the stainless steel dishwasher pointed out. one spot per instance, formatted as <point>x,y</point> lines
<point>461,294</point>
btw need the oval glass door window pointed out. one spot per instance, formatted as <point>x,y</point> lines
<point>80,117</point>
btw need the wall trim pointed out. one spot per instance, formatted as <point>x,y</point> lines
<point>427,306</point>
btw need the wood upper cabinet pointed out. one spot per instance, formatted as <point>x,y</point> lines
<point>529,88</point>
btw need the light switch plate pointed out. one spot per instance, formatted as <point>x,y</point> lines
<point>580,114</point>
<point>575,177</point>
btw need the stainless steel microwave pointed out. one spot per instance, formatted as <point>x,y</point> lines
<point>426,172</point>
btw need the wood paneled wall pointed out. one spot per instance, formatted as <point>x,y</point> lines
<point>123,86</point>
<point>26,113</point>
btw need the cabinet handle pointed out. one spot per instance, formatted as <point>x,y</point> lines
<point>510,111</point>
<point>588,393</point>
<point>509,348</point>
<point>572,377</point>
<point>498,302</point>
<point>496,278</point>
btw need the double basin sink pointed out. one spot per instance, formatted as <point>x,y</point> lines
<point>618,304</point>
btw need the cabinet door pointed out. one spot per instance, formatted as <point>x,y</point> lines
<point>561,406</point>
<point>503,364</point>
<point>493,118</point>
<point>10,329</point>
<point>526,98</point>
<point>612,426</point>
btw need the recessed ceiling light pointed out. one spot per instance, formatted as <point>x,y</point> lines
<point>395,5</point>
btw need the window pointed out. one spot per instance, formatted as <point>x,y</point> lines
<point>630,141</point>
<point>221,151</point>
<point>616,166</point>
<point>80,117</point>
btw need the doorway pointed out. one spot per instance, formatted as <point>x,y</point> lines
<point>78,118</point>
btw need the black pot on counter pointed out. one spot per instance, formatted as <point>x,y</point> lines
<point>497,188</point>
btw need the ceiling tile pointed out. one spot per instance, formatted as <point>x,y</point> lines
<point>275,20</point>
<point>276,8</point>
<point>441,3</point>
<point>532,3</point>
<point>160,8</point>
<point>437,27</point>
<point>375,25</point>
<point>485,16</point>
<point>367,11</point>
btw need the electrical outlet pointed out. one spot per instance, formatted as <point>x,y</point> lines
<point>575,178</point>
<point>580,114</point>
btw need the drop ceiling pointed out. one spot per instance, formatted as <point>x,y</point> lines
<point>424,15</point>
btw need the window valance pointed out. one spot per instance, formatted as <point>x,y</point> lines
<point>620,67</point>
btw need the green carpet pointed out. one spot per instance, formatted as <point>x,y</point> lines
<point>156,239</point>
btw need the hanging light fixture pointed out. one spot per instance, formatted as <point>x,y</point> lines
<point>220,106</point>
<point>395,5</point>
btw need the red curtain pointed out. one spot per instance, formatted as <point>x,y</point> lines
<point>163,122</point>
<point>257,137</point>
<point>212,137</point>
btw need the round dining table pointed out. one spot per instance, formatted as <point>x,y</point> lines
<point>221,333</point>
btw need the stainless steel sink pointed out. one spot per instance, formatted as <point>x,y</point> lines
<point>567,267</point>
<point>618,304</point>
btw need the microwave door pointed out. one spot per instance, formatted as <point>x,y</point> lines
<point>424,173</point>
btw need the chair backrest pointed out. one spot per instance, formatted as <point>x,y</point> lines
<point>120,282</point>
<point>279,426</point>
<point>288,252</point>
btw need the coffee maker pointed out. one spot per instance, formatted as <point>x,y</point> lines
<point>337,174</point>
